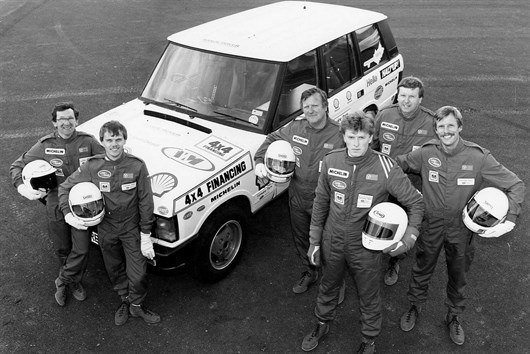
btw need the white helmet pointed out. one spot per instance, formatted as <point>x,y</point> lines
<point>384,226</point>
<point>485,209</point>
<point>86,203</point>
<point>280,161</point>
<point>39,175</point>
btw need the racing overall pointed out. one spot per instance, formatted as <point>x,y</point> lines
<point>449,180</point>
<point>65,155</point>
<point>309,145</point>
<point>126,190</point>
<point>348,187</point>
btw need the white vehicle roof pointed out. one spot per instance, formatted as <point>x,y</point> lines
<point>278,32</point>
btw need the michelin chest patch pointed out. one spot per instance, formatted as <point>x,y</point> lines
<point>390,126</point>
<point>338,184</point>
<point>339,198</point>
<point>338,173</point>
<point>364,200</point>
<point>300,140</point>
<point>128,186</point>
<point>104,174</point>
<point>53,151</point>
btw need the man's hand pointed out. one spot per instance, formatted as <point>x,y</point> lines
<point>74,222</point>
<point>405,244</point>
<point>314,255</point>
<point>146,245</point>
<point>499,229</point>
<point>260,170</point>
<point>29,193</point>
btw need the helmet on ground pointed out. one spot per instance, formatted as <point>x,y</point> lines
<point>485,209</point>
<point>384,226</point>
<point>39,175</point>
<point>86,203</point>
<point>280,161</point>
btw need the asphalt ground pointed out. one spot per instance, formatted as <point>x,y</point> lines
<point>99,53</point>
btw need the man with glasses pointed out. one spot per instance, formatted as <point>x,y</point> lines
<point>65,149</point>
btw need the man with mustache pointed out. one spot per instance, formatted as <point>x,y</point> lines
<point>452,170</point>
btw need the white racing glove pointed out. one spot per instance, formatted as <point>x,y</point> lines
<point>146,246</point>
<point>29,193</point>
<point>499,229</point>
<point>260,170</point>
<point>314,255</point>
<point>74,222</point>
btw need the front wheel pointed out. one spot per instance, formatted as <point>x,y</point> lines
<point>220,244</point>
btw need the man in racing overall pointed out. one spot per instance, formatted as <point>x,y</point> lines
<point>452,170</point>
<point>124,233</point>
<point>65,149</point>
<point>400,129</point>
<point>311,137</point>
<point>351,182</point>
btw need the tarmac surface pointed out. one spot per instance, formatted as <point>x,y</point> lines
<point>99,53</point>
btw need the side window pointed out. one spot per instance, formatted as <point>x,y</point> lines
<point>371,47</point>
<point>338,58</point>
<point>300,74</point>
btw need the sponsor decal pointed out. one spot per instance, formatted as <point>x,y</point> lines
<point>56,162</point>
<point>161,183</point>
<point>188,215</point>
<point>385,148</point>
<point>422,132</point>
<point>379,213</point>
<point>372,80</point>
<point>328,146</point>
<point>257,112</point>
<point>467,167</point>
<point>128,186</point>
<point>225,191</point>
<point>391,80</point>
<point>338,184</point>
<point>162,210</point>
<point>336,104</point>
<point>378,92</point>
<point>376,57</point>
<point>390,126</point>
<point>465,181</point>
<point>219,147</point>
<point>389,137</point>
<point>415,147</point>
<point>83,149</point>
<point>364,200</point>
<point>390,69</point>
<point>360,94</point>
<point>54,151</point>
<point>83,160</point>
<point>338,173</point>
<point>253,119</point>
<point>372,177</point>
<point>59,172</point>
<point>188,158</point>
<point>104,174</point>
<point>435,162</point>
<point>297,150</point>
<point>433,176</point>
<point>339,198</point>
<point>104,186</point>
<point>319,166</point>
<point>300,140</point>
<point>128,175</point>
<point>348,95</point>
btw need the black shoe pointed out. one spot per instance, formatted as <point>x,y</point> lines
<point>456,332</point>
<point>392,272</point>
<point>122,314</point>
<point>60,292</point>
<point>311,341</point>
<point>367,347</point>
<point>408,319</point>
<point>147,315</point>
<point>306,280</point>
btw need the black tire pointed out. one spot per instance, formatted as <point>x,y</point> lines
<point>220,244</point>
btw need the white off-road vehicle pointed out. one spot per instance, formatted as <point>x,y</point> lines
<point>216,92</point>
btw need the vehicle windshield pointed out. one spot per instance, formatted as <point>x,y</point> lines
<point>227,90</point>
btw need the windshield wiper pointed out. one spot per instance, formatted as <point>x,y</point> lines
<point>235,118</point>
<point>178,104</point>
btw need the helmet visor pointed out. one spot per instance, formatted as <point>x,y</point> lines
<point>47,182</point>
<point>89,209</point>
<point>280,167</point>
<point>479,215</point>
<point>380,230</point>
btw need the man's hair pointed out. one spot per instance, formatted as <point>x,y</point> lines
<point>114,128</point>
<point>358,122</point>
<point>445,111</point>
<point>412,82</point>
<point>63,106</point>
<point>310,92</point>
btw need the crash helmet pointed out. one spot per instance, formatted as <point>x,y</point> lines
<point>86,203</point>
<point>384,226</point>
<point>280,161</point>
<point>485,209</point>
<point>39,175</point>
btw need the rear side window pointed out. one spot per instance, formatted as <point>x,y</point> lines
<point>340,66</point>
<point>371,47</point>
